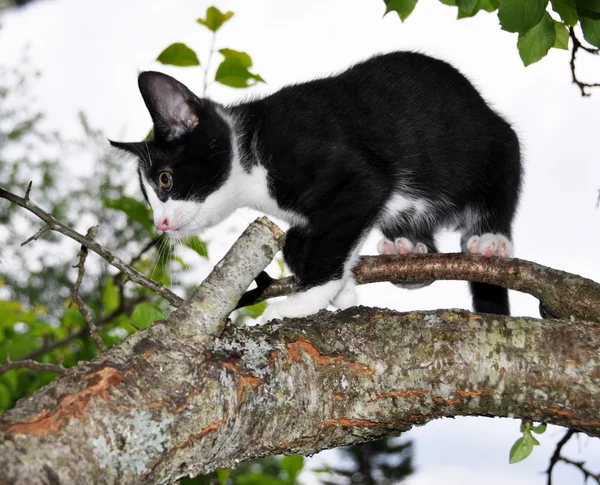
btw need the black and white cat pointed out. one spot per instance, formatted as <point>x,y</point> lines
<point>401,142</point>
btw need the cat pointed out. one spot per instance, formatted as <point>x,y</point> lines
<point>401,142</point>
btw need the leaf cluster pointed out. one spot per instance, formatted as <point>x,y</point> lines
<point>540,24</point>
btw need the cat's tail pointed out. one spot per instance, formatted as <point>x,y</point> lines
<point>489,298</point>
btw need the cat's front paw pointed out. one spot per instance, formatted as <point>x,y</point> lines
<point>303,303</point>
<point>347,297</point>
<point>292,307</point>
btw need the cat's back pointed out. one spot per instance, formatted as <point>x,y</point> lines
<point>393,86</point>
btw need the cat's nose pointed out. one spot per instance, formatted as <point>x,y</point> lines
<point>163,225</point>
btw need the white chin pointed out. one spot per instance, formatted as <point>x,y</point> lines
<point>183,232</point>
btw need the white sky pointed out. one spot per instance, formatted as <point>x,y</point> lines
<point>90,52</point>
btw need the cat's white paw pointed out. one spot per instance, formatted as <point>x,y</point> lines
<point>403,245</point>
<point>347,297</point>
<point>385,246</point>
<point>489,245</point>
<point>303,303</point>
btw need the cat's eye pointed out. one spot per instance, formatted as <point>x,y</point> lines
<point>165,179</point>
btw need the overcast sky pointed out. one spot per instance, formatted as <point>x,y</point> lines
<point>90,52</point>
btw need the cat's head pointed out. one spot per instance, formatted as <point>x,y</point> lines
<point>189,159</point>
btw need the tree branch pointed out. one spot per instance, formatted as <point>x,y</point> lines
<point>83,252</point>
<point>577,45</point>
<point>32,364</point>
<point>557,458</point>
<point>187,395</point>
<point>55,225</point>
<point>564,295</point>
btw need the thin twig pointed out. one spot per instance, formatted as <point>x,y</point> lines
<point>91,235</point>
<point>32,364</point>
<point>576,46</point>
<point>557,458</point>
<point>44,229</point>
<point>124,307</point>
<point>49,346</point>
<point>106,254</point>
<point>210,55</point>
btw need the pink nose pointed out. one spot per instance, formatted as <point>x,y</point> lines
<point>163,225</point>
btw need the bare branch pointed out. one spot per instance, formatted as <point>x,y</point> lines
<point>32,364</point>
<point>557,458</point>
<point>577,45</point>
<point>91,235</point>
<point>44,229</point>
<point>55,225</point>
<point>51,345</point>
<point>562,294</point>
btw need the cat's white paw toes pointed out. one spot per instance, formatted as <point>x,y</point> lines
<point>402,245</point>
<point>347,297</point>
<point>489,245</point>
<point>385,246</point>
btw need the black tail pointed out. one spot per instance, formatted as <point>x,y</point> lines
<point>490,299</point>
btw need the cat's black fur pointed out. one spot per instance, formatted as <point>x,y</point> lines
<point>336,150</point>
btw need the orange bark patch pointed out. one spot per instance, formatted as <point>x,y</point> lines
<point>71,405</point>
<point>473,393</point>
<point>440,401</point>
<point>211,427</point>
<point>247,381</point>
<point>187,401</point>
<point>304,346</point>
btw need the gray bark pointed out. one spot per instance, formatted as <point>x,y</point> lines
<point>191,394</point>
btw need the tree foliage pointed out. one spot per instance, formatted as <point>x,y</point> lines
<point>540,24</point>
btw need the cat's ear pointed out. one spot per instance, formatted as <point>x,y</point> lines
<point>173,107</point>
<point>139,149</point>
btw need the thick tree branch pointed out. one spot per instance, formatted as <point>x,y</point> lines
<point>55,225</point>
<point>187,395</point>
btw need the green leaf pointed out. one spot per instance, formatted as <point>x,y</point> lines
<point>178,54</point>
<point>591,30</point>
<point>467,6</point>
<point>223,475</point>
<point>292,465</point>
<point>110,296</point>
<point>589,5</point>
<point>521,15</point>
<point>134,209</point>
<point>562,36</point>
<point>567,11</point>
<point>197,244</point>
<point>536,42</point>
<point>520,450</point>
<point>214,18</point>
<point>234,71</point>
<point>145,314</point>
<point>451,3</point>
<point>253,311</point>
<point>540,428</point>
<point>402,7</point>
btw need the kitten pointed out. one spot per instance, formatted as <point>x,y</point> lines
<point>401,142</point>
